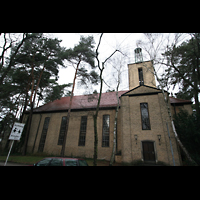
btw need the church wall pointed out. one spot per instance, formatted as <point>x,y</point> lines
<point>166,141</point>
<point>125,129</point>
<point>148,76</point>
<point>176,109</point>
<point>119,135</point>
<point>132,125</point>
<point>72,148</point>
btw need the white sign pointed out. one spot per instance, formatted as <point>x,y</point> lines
<point>16,131</point>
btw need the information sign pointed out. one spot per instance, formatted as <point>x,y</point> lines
<point>16,131</point>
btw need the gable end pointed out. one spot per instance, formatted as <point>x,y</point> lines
<point>143,94</point>
<point>142,90</point>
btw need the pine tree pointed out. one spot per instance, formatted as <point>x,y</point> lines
<point>184,69</point>
<point>81,53</point>
<point>38,56</point>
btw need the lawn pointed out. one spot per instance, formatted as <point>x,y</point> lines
<point>22,159</point>
<point>29,160</point>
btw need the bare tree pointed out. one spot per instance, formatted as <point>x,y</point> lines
<point>101,68</point>
<point>117,63</point>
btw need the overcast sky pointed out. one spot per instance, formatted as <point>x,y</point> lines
<point>126,42</point>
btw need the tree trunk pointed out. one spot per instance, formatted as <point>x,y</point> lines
<point>30,114</point>
<point>38,84</point>
<point>95,141</point>
<point>115,130</point>
<point>196,94</point>
<point>27,131</point>
<point>69,112</point>
<point>95,120</point>
<point>97,109</point>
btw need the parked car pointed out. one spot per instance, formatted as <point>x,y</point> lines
<point>59,161</point>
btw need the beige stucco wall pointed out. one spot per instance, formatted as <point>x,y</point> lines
<point>72,148</point>
<point>132,125</point>
<point>178,107</point>
<point>148,75</point>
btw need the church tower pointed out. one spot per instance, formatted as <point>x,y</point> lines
<point>141,72</point>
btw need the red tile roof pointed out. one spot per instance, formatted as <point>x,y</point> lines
<point>82,102</point>
<point>176,100</point>
<point>90,101</point>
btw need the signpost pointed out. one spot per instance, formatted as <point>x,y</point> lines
<point>15,135</point>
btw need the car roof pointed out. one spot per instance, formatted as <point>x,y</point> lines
<point>67,158</point>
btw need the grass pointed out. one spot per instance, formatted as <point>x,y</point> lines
<point>22,159</point>
<point>31,159</point>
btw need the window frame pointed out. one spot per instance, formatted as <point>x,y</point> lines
<point>43,134</point>
<point>142,116</point>
<point>104,141</point>
<point>141,77</point>
<point>82,133</point>
<point>62,127</point>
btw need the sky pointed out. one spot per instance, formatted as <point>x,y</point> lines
<point>125,42</point>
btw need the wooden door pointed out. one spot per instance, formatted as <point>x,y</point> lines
<point>148,151</point>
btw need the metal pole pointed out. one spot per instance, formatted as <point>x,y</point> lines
<point>170,144</point>
<point>9,153</point>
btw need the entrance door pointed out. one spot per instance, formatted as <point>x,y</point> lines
<point>148,151</point>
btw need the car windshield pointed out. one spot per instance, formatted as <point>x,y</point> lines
<point>56,162</point>
<point>43,162</point>
<point>83,163</point>
<point>69,162</point>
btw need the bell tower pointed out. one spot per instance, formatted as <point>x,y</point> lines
<point>141,72</point>
<point>138,55</point>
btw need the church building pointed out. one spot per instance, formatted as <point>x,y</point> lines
<point>143,124</point>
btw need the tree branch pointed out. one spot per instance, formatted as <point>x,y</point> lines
<point>110,56</point>
<point>26,36</point>
<point>97,51</point>
<point>4,50</point>
<point>182,75</point>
